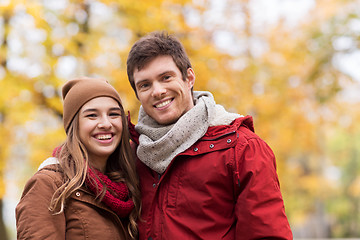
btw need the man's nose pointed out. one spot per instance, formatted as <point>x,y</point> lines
<point>158,90</point>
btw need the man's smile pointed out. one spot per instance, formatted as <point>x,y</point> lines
<point>163,104</point>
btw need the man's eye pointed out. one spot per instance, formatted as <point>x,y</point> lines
<point>143,86</point>
<point>167,77</point>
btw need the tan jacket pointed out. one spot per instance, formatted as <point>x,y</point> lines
<point>83,217</point>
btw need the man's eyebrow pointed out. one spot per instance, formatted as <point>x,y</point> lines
<point>141,81</point>
<point>166,72</point>
<point>159,75</point>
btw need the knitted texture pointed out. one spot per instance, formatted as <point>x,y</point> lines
<point>120,202</point>
<point>159,144</point>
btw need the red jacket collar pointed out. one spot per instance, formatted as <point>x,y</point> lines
<point>134,135</point>
<point>246,121</point>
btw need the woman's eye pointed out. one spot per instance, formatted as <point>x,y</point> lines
<point>115,114</point>
<point>91,115</point>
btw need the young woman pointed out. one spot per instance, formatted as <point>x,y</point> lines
<point>89,189</point>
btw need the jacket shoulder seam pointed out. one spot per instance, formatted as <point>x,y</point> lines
<point>50,173</point>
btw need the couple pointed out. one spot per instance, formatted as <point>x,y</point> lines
<point>203,173</point>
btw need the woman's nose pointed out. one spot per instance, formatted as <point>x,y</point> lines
<point>104,123</point>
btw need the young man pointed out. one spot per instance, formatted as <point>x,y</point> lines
<point>204,174</point>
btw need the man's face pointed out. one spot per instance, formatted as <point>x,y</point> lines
<point>164,95</point>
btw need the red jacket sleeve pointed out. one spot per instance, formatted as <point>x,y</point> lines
<point>260,208</point>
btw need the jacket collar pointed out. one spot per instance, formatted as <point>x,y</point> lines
<point>226,129</point>
<point>212,132</point>
<point>48,162</point>
<point>134,135</point>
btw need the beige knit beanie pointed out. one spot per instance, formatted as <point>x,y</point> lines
<point>77,92</point>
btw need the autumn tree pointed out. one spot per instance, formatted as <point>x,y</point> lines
<point>289,78</point>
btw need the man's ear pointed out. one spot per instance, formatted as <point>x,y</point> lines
<point>190,77</point>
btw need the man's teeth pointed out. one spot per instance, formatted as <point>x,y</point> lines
<point>103,137</point>
<point>163,104</point>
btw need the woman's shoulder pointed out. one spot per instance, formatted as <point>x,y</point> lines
<point>48,162</point>
<point>48,171</point>
<point>44,182</point>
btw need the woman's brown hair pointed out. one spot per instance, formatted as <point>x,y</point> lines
<point>74,162</point>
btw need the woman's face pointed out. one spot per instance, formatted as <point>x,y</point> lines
<point>100,129</point>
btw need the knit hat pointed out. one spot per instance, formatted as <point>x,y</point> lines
<point>77,92</point>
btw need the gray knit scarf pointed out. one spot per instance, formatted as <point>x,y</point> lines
<point>159,144</point>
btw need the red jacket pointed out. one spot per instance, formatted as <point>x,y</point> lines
<point>225,186</point>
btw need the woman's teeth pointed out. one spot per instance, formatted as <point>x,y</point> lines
<point>103,136</point>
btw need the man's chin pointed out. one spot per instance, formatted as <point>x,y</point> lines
<point>165,120</point>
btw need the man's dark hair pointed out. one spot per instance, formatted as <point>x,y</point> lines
<point>153,45</point>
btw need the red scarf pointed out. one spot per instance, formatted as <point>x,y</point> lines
<point>119,200</point>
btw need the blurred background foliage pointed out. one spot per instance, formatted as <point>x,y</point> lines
<point>295,69</point>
